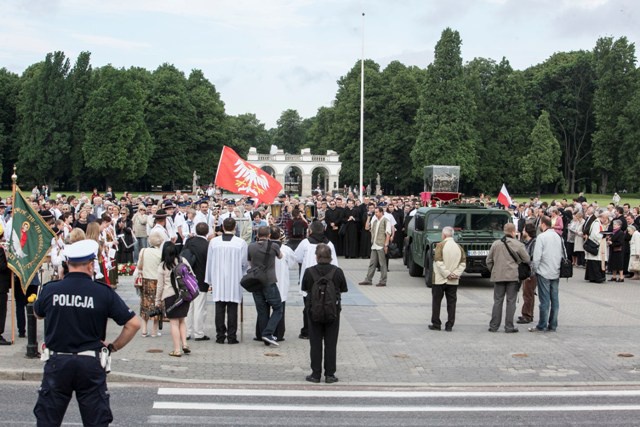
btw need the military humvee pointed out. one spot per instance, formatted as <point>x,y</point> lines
<point>476,228</point>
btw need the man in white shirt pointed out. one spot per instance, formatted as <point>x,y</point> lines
<point>206,216</point>
<point>231,205</point>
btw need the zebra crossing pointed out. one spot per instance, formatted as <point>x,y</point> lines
<point>310,406</point>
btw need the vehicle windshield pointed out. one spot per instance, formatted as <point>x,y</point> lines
<point>440,220</point>
<point>493,222</point>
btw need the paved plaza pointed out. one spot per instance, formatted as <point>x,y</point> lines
<point>384,341</point>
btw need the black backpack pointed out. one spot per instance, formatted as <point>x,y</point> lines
<point>324,297</point>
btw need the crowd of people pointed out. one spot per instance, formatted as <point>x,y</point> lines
<point>218,239</point>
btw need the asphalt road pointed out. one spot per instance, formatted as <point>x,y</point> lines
<point>322,405</point>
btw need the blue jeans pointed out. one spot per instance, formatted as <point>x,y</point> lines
<point>549,303</point>
<point>141,243</point>
<point>268,297</point>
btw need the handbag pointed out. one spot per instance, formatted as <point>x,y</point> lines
<point>591,247</point>
<point>256,277</point>
<point>524,269</point>
<point>566,266</point>
<point>137,283</point>
<point>343,229</point>
<point>635,265</point>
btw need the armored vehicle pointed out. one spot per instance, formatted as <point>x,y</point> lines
<point>475,229</point>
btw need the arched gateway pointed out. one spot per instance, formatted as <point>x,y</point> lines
<point>300,173</point>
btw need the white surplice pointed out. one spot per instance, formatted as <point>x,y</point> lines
<point>283,265</point>
<point>227,262</point>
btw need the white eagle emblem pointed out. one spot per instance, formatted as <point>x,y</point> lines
<point>250,180</point>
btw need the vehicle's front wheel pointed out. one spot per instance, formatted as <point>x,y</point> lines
<point>414,269</point>
<point>428,270</point>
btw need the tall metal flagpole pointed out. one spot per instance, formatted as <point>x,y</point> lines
<point>14,179</point>
<point>360,190</point>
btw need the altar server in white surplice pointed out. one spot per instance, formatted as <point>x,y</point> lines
<point>283,268</point>
<point>227,261</point>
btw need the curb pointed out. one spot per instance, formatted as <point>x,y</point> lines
<point>122,377</point>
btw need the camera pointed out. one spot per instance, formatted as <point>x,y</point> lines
<point>156,311</point>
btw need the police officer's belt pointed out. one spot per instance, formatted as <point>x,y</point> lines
<point>90,353</point>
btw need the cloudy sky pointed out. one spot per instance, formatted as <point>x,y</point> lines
<point>265,56</point>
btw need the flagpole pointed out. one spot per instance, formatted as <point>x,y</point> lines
<point>14,179</point>
<point>362,115</point>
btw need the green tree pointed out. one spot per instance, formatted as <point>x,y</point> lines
<point>318,135</point>
<point>44,130</point>
<point>290,132</point>
<point>171,122</point>
<point>9,88</point>
<point>540,165</point>
<point>445,119</point>
<point>629,155</point>
<point>117,145</point>
<point>563,85</point>
<point>502,121</point>
<point>246,131</point>
<point>210,125</point>
<point>80,85</point>
<point>615,84</point>
<point>392,130</point>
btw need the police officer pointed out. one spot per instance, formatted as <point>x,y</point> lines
<point>77,309</point>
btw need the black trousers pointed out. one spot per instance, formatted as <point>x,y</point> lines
<point>280,329</point>
<point>327,334</point>
<point>437,292</point>
<point>230,311</point>
<point>4,296</point>
<point>593,272</point>
<point>62,376</point>
<point>305,318</point>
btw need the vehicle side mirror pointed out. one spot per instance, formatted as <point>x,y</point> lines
<point>419,223</point>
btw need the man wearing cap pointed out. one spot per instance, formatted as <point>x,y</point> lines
<point>77,310</point>
<point>160,221</point>
<point>170,208</point>
<point>231,206</point>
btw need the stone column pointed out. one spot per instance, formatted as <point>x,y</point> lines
<point>306,184</point>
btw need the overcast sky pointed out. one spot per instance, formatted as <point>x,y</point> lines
<point>266,56</point>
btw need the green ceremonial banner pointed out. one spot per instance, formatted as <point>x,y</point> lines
<point>29,242</point>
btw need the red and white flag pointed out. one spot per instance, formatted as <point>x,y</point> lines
<point>241,177</point>
<point>503,198</point>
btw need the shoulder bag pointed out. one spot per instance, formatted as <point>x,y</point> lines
<point>524,269</point>
<point>591,247</point>
<point>566,267</point>
<point>256,277</point>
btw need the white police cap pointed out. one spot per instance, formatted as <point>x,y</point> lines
<point>82,251</point>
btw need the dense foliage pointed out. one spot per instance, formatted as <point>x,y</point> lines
<point>571,123</point>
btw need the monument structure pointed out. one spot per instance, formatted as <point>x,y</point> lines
<point>300,173</point>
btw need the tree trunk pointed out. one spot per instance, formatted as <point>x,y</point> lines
<point>604,178</point>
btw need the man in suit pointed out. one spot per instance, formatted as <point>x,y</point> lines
<point>195,252</point>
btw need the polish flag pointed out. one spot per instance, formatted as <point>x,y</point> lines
<point>241,177</point>
<point>503,198</point>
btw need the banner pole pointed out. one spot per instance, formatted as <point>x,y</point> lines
<point>14,179</point>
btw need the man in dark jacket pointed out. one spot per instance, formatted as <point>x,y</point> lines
<point>320,332</point>
<point>5,286</point>
<point>305,256</point>
<point>195,252</point>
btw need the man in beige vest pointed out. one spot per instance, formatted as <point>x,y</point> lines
<point>449,262</point>
<point>380,235</point>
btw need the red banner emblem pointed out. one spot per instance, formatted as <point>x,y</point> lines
<point>241,177</point>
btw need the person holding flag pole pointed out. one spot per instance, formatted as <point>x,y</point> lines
<point>28,245</point>
<point>503,198</point>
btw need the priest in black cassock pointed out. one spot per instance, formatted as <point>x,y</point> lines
<point>333,219</point>
<point>351,221</point>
